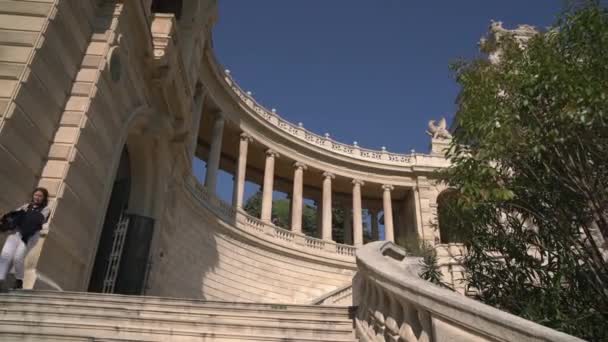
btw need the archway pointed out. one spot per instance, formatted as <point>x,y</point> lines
<point>115,217</point>
<point>451,229</point>
<point>121,261</point>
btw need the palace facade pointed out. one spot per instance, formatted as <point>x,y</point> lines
<point>106,103</point>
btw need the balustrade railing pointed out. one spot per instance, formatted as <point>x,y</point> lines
<point>394,304</point>
<point>340,296</point>
<point>324,142</point>
<point>265,230</point>
<point>314,243</point>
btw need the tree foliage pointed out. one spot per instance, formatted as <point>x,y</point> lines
<point>530,166</point>
<point>281,217</point>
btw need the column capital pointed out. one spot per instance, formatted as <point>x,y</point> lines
<point>272,153</point>
<point>329,175</point>
<point>388,187</point>
<point>246,136</point>
<point>358,182</point>
<point>300,165</point>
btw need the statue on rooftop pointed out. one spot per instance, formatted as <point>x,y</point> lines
<point>439,131</point>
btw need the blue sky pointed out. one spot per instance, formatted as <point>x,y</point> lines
<point>368,71</point>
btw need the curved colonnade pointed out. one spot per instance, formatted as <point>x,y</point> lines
<point>259,261</point>
<point>278,155</point>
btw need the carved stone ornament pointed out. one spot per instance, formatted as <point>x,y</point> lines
<point>439,131</point>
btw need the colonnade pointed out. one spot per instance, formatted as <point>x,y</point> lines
<point>297,200</point>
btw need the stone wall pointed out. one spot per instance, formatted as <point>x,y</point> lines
<point>449,260</point>
<point>202,256</point>
<point>86,147</point>
<point>41,48</point>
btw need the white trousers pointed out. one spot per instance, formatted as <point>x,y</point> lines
<point>14,252</point>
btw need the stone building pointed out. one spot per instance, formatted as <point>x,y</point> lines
<point>107,102</point>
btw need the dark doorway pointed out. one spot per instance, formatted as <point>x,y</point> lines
<point>168,6</point>
<point>122,255</point>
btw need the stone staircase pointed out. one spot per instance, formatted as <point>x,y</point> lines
<point>71,316</point>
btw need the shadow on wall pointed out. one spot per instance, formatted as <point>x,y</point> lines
<point>187,250</point>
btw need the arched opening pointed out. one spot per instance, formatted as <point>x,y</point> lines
<point>451,227</point>
<point>168,6</point>
<point>121,261</point>
<point>114,220</point>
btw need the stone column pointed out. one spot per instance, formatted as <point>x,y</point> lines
<point>374,218</point>
<point>348,230</point>
<point>296,197</point>
<point>266,214</point>
<point>239,184</point>
<point>197,113</point>
<point>215,152</point>
<point>319,219</point>
<point>389,232</point>
<point>357,213</point>
<point>327,177</point>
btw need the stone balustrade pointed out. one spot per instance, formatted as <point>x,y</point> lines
<point>394,304</point>
<point>262,229</point>
<point>340,296</point>
<point>324,142</point>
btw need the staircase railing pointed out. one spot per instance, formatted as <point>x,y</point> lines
<point>340,296</point>
<point>395,304</point>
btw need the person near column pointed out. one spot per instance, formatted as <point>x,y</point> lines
<point>24,235</point>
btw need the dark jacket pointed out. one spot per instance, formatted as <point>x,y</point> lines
<point>10,221</point>
<point>27,220</point>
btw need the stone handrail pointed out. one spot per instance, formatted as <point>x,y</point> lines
<point>340,296</point>
<point>395,304</point>
<point>262,229</point>
<point>324,142</point>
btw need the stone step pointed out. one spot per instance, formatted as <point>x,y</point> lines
<point>215,309</point>
<point>71,316</point>
<point>62,331</point>
<point>19,337</point>
<point>177,304</point>
<point>160,316</point>
<point>101,321</point>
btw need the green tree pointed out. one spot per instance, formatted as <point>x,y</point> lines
<point>253,205</point>
<point>530,167</point>
<point>281,215</point>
